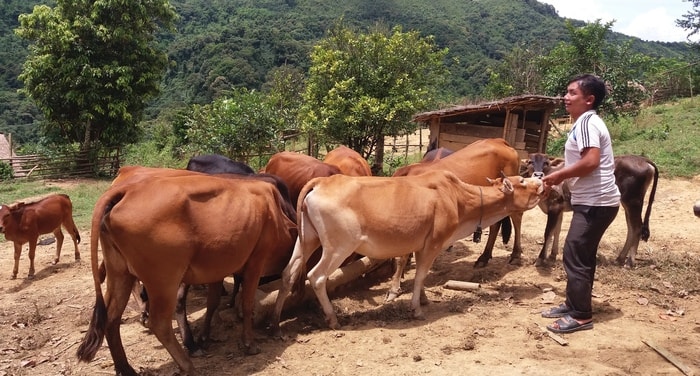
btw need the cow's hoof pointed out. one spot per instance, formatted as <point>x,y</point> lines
<point>14,276</point>
<point>419,315</point>
<point>31,276</point>
<point>515,261</point>
<point>251,349</point>
<point>197,353</point>
<point>391,296</point>
<point>55,261</point>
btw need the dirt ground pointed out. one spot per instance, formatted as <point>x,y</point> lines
<point>493,330</point>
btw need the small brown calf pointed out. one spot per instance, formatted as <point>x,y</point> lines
<point>24,222</point>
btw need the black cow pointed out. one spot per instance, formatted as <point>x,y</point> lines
<point>696,208</point>
<point>218,164</point>
<point>633,176</point>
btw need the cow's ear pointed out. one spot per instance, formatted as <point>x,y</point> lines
<point>507,186</point>
<point>16,205</point>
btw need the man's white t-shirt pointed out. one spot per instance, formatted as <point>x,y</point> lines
<point>597,188</point>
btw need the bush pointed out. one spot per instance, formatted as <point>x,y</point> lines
<point>6,172</point>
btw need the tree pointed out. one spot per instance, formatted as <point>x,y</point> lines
<point>691,20</point>
<point>362,87</point>
<point>93,65</point>
<point>244,124</point>
<point>590,52</point>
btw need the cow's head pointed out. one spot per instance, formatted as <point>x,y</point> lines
<point>6,212</point>
<point>539,165</point>
<point>525,193</point>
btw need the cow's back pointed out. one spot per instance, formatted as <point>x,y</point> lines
<point>348,161</point>
<point>297,169</point>
<point>475,162</point>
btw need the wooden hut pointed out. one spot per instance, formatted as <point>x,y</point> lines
<point>523,121</point>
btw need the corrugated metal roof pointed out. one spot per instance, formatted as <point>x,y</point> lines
<point>524,101</point>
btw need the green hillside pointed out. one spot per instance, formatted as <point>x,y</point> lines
<point>221,45</point>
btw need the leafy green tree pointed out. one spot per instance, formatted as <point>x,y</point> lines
<point>691,20</point>
<point>364,86</point>
<point>242,125</point>
<point>518,73</point>
<point>590,52</point>
<point>93,65</point>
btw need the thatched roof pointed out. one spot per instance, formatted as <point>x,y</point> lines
<point>522,102</point>
<point>5,152</point>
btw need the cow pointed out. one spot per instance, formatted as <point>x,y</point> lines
<point>431,155</point>
<point>696,208</point>
<point>633,176</point>
<point>273,266</point>
<point>482,159</point>
<point>24,222</point>
<point>348,161</point>
<point>386,217</point>
<point>168,230</point>
<point>296,169</point>
<point>218,164</point>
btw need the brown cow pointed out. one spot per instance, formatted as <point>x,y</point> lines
<point>348,161</point>
<point>168,230</point>
<point>274,265</point>
<point>633,176</point>
<point>297,169</point>
<point>431,155</point>
<point>390,217</point>
<point>24,222</point>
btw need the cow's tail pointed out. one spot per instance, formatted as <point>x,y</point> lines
<point>299,284</point>
<point>645,224</point>
<point>96,330</point>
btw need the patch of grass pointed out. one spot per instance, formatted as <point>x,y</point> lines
<point>668,134</point>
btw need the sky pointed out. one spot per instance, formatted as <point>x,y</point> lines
<point>649,20</point>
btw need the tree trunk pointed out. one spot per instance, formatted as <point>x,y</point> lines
<point>378,166</point>
<point>86,141</point>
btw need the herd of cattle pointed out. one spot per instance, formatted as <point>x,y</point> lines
<point>165,229</point>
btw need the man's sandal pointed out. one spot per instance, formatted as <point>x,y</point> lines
<point>568,324</point>
<point>556,312</point>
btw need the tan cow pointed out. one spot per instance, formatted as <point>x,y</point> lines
<point>195,229</point>
<point>348,161</point>
<point>388,217</point>
<point>24,222</point>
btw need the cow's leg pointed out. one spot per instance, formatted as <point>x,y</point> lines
<point>483,260</point>
<point>331,258</point>
<point>69,225</point>
<point>517,253</point>
<point>116,298</point>
<point>141,297</point>
<point>292,273</point>
<point>181,318</point>
<point>400,264</point>
<point>214,292</point>
<point>251,277</point>
<point>59,244</point>
<point>424,260</point>
<point>18,253</point>
<point>555,237</point>
<point>633,216</point>
<point>162,302</point>
<point>32,253</point>
<point>551,237</point>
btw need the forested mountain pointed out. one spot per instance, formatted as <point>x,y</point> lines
<point>222,44</point>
